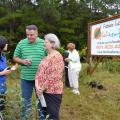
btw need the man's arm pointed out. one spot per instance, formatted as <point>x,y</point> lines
<point>17,57</point>
<point>22,61</point>
<point>18,60</point>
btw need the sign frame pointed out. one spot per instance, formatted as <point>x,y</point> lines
<point>90,68</point>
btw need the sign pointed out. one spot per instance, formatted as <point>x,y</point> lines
<point>105,37</point>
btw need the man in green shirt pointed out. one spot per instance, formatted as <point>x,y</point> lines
<point>28,53</point>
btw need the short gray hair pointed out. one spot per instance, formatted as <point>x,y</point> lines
<point>31,27</point>
<point>53,39</point>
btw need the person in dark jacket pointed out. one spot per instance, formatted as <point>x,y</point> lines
<point>67,84</point>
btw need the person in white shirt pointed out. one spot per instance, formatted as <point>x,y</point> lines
<point>74,67</point>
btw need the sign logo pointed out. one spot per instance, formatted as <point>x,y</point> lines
<point>97,33</point>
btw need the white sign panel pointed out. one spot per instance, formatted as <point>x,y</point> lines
<point>105,38</point>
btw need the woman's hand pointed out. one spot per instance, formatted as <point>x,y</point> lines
<point>39,92</point>
<point>5,72</point>
<point>67,59</point>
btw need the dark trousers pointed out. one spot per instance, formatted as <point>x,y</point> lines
<point>2,102</point>
<point>2,106</point>
<point>67,84</point>
<point>53,102</point>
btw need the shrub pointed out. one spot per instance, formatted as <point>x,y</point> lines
<point>111,65</point>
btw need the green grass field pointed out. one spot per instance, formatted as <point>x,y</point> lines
<point>91,104</point>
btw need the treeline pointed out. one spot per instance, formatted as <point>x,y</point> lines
<point>66,18</point>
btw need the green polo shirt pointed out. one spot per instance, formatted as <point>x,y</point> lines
<point>34,51</point>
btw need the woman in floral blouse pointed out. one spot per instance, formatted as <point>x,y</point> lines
<point>48,78</point>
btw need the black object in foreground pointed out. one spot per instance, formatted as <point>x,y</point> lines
<point>93,84</point>
<point>8,68</point>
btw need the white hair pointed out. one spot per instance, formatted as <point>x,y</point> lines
<point>53,38</point>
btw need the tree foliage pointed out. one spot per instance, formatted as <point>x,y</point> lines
<point>66,18</point>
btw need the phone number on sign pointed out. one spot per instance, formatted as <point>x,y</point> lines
<point>107,46</point>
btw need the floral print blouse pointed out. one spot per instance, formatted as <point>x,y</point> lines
<point>49,75</point>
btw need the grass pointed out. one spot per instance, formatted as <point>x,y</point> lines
<point>91,104</point>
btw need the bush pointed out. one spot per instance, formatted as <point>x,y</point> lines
<point>111,65</point>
